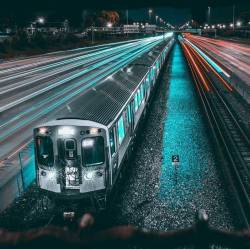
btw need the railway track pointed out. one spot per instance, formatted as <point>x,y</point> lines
<point>233,143</point>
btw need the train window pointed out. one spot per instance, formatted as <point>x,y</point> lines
<point>145,87</point>
<point>148,80</point>
<point>45,153</point>
<point>139,96</point>
<point>152,73</point>
<point>93,151</point>
<point>142,92</point>
<point>125,118</point>
<point>136,102</point>
<point>121,130</point>
<point>70,144</point>
<point>112,141</point>
<point>70,148</point>
<point>129,119</point>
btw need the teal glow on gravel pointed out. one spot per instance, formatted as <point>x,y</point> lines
<point>186,135</point>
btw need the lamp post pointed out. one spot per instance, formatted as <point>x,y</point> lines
<point>92,33</point>
<point>149,15</point>
<point>109,24</point>
<point>127,16</point>
<point>209,14</point>
<point>41,20</point>
<point>156,18</point>
<point>233,17</point>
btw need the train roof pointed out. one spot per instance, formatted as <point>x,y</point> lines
<point>103,102</point>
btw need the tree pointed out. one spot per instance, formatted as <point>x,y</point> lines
<point>107,16</point>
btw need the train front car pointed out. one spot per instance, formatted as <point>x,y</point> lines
<point>71,159</point>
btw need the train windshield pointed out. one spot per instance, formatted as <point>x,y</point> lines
<point>93,151</point>
<point>45,154</point>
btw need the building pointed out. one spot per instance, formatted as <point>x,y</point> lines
<point>49,27</point>
<point>131,29</point>
<point>149,28</point>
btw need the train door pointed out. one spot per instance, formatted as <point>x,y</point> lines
<point>69,163</point>
<point>113,150</point>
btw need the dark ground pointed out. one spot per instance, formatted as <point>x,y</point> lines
<point>138,201</point>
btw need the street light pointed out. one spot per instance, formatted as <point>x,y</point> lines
<point>156,18</point>
<point>209,14</point>
<point>127,16</point>
<point>150,11</point>
<point>41,20</point>
<point>238,24</point>
<point>109,24</point>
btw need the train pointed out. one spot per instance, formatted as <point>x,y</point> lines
<point>81,153</point>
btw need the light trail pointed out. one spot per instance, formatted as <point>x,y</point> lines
<point>94,79</point>
<point>209,60</point>
<point>89,77</point>
<point>203,80</point>
<point>64,62</point>
<point>48,99</point>
<point>82,62</point>
<point>231,56</point>
<point>74,76</point>
<point>13,65</point>
<point>205,64</point>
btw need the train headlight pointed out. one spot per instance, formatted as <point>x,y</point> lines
<point>93,131</point>
<point>51,175</point>
<point>89,175</point>
<point>42,130</point>
<point>66,131</point>
<point>88,142</point>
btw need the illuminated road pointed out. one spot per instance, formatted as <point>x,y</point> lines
<point>235,57</point>
<point>33,90</point>
<point>226,116</point>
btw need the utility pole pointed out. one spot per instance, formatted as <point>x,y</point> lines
<point>92,34</point>
<point>233,16</point>
<point>156,19</point>
<point>127,15</point>
<point>149,15</point>
<point>209,14</point>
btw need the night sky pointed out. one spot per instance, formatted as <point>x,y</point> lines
<point>174,11</point>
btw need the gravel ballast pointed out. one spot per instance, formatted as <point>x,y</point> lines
<point>155,194</point>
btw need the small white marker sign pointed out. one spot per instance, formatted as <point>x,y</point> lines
<point>175,160</point>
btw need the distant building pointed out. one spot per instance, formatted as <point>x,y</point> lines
<point>49,27</point>
<point>149,28</point>
<point>131,29</point>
